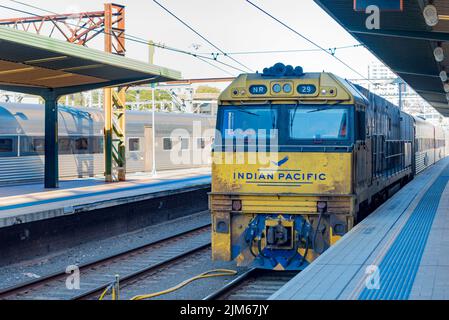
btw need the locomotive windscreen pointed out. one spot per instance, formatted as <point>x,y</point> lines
<point>318,123</point>
<point>249,122</point>
<point>289,124</point>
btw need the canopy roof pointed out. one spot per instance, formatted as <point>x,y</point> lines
<point>404,42</point>
<point>36,64</point>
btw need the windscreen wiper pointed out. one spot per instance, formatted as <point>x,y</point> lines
<point>293,117</point>
<point>273,117</point>
<point>327,107</point>
<point>246,111</point>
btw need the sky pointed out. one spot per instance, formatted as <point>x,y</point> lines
<point>232,25</point>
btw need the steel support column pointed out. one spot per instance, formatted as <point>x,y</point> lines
<point>107,103</point>
<point>51,141</point>
<point>114,102</point>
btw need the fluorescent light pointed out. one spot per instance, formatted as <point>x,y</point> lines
<point>431,15</point>
<point>439,54</point>
<point>443,76</point>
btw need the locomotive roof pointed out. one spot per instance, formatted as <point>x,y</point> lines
<point>322,87</point>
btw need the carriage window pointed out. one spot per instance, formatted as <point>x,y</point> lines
<point>32,145</point>
<point>6,145</point>
<point>201,143</point>
<point>38,145</point>
<point>81,144</point>
<point>167,143</point>
<point>184,143</point>
<point>134,144</point>
<point>97,144</point>
<point>65,145</point>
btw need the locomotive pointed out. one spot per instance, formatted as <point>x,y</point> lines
<point>298,156</point>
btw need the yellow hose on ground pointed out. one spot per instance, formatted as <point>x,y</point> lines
<point>106,291</point>
<point>114,287</point>
<point>207,274</point>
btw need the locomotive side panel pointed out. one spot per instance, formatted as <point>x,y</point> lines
<point>386,142</point>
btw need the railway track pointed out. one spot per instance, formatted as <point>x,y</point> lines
<point>97,275</point>
<point>254,284</point>
<point>155,279</point>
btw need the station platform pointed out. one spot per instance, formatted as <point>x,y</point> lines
<point>399,252</point>
<point>32,202</point>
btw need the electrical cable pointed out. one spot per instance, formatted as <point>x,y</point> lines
<point>216,67</point>
<point>306,251</point>
<point>201,36</point>
<point>110,287</point>
<point>305,38</point>
<point>285,51</point>
<point>207,274</point>
<point>315,234</point>
<point>330,51</point>
<point>126,37</point>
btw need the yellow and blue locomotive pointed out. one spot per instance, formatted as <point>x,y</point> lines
<point>296,157</point>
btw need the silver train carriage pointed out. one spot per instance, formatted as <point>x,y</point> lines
<point>80,141</point>
<point>431,143</point>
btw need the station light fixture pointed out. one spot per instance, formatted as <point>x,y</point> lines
<point>443,76</point>
<point>438,52</point>
<point>431,15</point>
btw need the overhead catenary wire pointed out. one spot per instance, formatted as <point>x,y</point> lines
<point>305,38</point>
<point>216,67</point>
<point>201,56</point>
<point>201,36</point>
<point>127,36</point>
<point>331,50</point>
<point>130,38</point>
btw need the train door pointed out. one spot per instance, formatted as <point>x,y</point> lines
<point>362,151</point>
<point>148,149</point>
<point>369,161</point>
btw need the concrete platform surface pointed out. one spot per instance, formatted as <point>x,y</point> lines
<point>32,202</point>
<point>399,252</point>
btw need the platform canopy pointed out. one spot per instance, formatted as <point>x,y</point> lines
<point>404,42</point>
<point>36,64</point>
<point>51,68</point>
